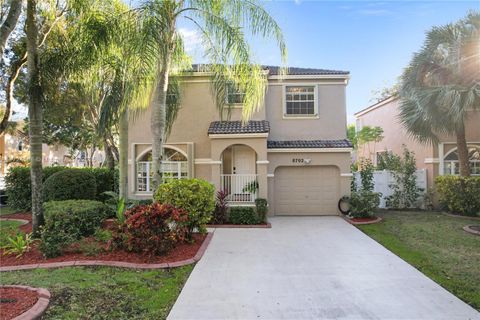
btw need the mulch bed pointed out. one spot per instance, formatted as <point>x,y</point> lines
<point>27,228</point>
<point>182,251</point>
<point>15,301</point>
<point>369,220</point>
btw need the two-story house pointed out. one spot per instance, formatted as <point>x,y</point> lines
<point>439,158</point>
<point>293,151</point>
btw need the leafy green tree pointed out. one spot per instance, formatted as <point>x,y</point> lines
<point>223,26</point>
<point>441,84</point>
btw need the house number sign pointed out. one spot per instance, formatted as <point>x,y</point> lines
<point>301,161</point>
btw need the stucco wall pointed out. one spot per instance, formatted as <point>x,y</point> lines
<point>331,121</point>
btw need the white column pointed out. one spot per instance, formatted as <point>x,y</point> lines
<point>440,159</point>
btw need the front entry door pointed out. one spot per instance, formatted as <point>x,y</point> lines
<point>243,160</point>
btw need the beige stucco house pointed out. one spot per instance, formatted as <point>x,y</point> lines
<point>438,159</point>
<point>293,152</point>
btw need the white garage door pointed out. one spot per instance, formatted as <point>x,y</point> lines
<point>306,190</point>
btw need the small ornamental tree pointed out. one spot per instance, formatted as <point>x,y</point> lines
<point>405,190</point>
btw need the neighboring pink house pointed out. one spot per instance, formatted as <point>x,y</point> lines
<point>438,159</point>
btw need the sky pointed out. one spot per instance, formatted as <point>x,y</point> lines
<point>374,40</point>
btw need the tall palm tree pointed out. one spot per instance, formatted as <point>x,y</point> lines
<point>34,115</point>
<point>442,83</point>
<point>223,26</point>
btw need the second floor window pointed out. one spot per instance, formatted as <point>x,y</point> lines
<point>234,95</point>
<point>300,101</point>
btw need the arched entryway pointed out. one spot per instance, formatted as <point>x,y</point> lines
<point>174,166</point>
<point>239,173</point>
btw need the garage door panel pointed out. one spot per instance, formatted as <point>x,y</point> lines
<point>306,190</point>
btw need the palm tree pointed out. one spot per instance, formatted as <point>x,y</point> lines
<point>442,83</point>
<point>34,115</point>
<point>222,25</point>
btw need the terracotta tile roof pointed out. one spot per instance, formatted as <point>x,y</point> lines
<point>309,144</point>
<point>236,127</point>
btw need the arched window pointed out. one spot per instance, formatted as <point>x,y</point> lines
<point>451,164</point>
<point>175,166</point>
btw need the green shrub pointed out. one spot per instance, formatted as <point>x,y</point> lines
<point>18,188</point>
<point>243,215</point>
<point>70,184</point>
<point>364,203</point>
<point>195,196</point>
<point>68,221</point>
<point>104,179</point>
<point>262,209</point>
<point>460,195</point>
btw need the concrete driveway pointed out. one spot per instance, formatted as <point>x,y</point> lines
<point>309,268</point>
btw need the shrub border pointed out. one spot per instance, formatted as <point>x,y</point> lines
<point>377,220</point>
<point>119,264</point>
<point>39,308</point>
<point>471,231</point>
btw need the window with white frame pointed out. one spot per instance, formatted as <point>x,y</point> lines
<point>451,163</point>
<point>175,166</point>
<point>300,101</point>
<point>234,94</point>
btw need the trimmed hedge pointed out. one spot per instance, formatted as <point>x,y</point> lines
<point>70,184</point>
<point>195,196</point>
<point>68,221</point>
<point>18,188</point>
<point>243,215</point>
<point>460,195</point>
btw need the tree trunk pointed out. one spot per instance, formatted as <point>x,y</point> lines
<point>16,67</point>
<point>462,152</point>
<point>10,22</point>
<point>158,120</point>
<point>34,116</point>
<point>123,155</point>
<point>109,160</point>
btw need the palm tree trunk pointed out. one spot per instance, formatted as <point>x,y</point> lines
<point>123,154</point>
<point>462,152</point>
<point>10,22</point>
<point>158,120</point>
<point>35,116</point>
<point>109,160</point>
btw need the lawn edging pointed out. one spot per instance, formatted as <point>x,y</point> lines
<point>376,220</point>
<point>39,308</point>
<point>119,264</point>
<point>470,230</point>
<point>267,225</point>
<point>22,221</point>
<point>460,216</point>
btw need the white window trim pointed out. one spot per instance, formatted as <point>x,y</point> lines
<point>315,115</point>
<point>452,168</point>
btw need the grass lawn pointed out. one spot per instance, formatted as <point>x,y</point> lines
<point>104,292</point>
<point>6,210</point>
<point>437,246</point>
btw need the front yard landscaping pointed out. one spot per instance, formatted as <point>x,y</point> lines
<point>103,292</point>
<point>436,245</point>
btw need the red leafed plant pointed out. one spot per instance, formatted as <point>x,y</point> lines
<point>152,229</point>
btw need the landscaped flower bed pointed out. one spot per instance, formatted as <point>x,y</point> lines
<point>15,301</point>
<point>21,301</point>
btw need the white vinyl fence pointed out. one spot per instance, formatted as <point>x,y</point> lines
<point>383,179</point>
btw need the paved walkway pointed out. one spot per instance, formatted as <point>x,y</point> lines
<point>309,268</point>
